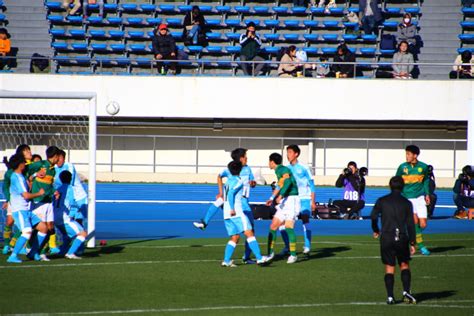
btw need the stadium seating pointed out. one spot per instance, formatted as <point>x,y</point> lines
<point>466,38</point>
<point>127,28</point>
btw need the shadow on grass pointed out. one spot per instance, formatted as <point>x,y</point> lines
<point>106,250</point>
<point>445,249</point>
<point>426,296</point>
<point>327,252</point>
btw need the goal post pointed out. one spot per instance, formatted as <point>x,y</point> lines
<point>89,111</point>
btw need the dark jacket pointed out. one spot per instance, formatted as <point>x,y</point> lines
<point>250,46</point>
<point>202,40</point>
<point>396,212</point>
<point>460,187</point>
<point>375,9</point>
<point>358,182</point>
<point>163,45</point>
<point>406,33</point>
<point>343,68</point>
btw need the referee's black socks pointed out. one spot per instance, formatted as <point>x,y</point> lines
<point>406,280</point>
<point>389,281</point>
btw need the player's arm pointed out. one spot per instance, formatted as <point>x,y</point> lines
<point>30,196</point>
<point>399,171</point>
<point>275,193</point>
<point>34,168</point>
<point>285,184</point>
<point>252,179</point>
<point>376,211</point>
<point>231,197</point>
<point>220,183</point>
<point>312,188</point>
<point>426,186</point>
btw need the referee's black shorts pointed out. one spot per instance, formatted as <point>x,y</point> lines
<point>391,250</point>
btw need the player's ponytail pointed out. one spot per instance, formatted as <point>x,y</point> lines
<point>5,161</point>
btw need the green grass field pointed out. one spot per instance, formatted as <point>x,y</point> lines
<point>344,275</point>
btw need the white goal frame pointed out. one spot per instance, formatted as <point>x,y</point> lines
<point>92,98</point>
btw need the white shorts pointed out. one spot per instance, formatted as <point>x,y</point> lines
<point>288,209</point>
<point>9,209</point>
<point>419,207</point>
<point>45,212</point>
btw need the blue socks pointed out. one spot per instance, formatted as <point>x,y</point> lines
<point>37,244</point>
<point>229,251</point>
<point>248,250</point>
<point>212,210</point>
<point>284,236</point>
<point>20,243</point>
<point>76,244</point>
<point>254,247</point>
<point>307,235</point>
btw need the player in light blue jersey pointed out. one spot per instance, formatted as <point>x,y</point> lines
<point>306,193</point>
<point>236,222</point>
<point>20,207</point>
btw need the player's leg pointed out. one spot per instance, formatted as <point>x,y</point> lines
<point>406,282</point>
<point>277,221</point>
<point>23,224</point>
<point>420,214</point>
<point>290,229</point>
<point>388,255</point>
<point>304,216</point>
<point>389,280</point>
<point>284,235</point>
<point>76,232</point>
<point>234,228</point>
<point>7,232</point>
<point>249,216</point>
<point>211,211</point>
<point>38,240</point>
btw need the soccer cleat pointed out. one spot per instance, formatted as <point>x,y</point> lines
<point>43,258</point>
<point>72,256</point>
<point>424,251</point>
<point>263,261</point>
<point>6,250</point>
<point>13,259</point>
<point>390,300</point>
<point>229,264</point>
<point>408,298</point>
<point>292,259</point>
<point>306,251</point>
<point>201,225</point>
<point>284,252</point>
<point>271,256</point>
<point>248,261</point>
<point>24,251</point>
<point>54,251</point>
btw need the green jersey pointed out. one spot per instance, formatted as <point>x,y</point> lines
<point>417,181</point>
<point>46,183</point>
<point>286,181</point>
<point>6,184</point>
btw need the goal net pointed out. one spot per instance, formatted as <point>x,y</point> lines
<point>65,120</point>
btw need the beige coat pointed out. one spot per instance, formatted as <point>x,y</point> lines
<point>458,61</point>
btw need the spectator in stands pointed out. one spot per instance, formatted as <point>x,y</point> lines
<point>164,48</point>
<point>466,3</point>
<point>194,31</point>
<point>343,54</point>
<point>5,49</point>
<point>463,72</point>
<point>85,4</point>
<point>251,43</point>
<point>75,8</point>
<point>407,32</point>
<point>291,65</point>
<point>299,3</point>
<point>370,16</point>
<point>403,56</point>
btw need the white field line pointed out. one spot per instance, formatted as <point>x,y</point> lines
<point>252,307</point>
<point>88,264</point>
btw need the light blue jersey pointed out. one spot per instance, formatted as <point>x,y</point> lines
<point>233,193</point>
<point>79,193</point>
<point>18,186</point>
<point>304,180</point>
<point>245,175</point>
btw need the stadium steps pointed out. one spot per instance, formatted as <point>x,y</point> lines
<point>439,32</point>
<point>29,30</point>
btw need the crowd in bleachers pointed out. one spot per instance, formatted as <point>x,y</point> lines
<point>464,68</point>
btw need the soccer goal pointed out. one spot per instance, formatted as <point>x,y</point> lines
<point>67,120</point>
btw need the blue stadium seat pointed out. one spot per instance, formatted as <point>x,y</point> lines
<point>310,23</point>
<point>137,35</point>
<point>174,21</point>
<point>222,9</point>
<point>97,34</point>
<point>233,49</point>
<point>353,9</point>
<point>185,8</point>
<point>393,11</point>
<point>272,50</point>
<point>153,21</point>
<point>311,37</point>
<point>350,25</point>
<point>52,18</point>
<point>60,46</point>
<point>311,50</point>
<point>118,48</point>
<point>232,22</point>
<point>129,7</point>
<point>242,9</point>
<point>291,37</point>
<point>167,8</point>
<point>280,10</point>
<point>390,24</point>
<point>466,37</point>
<point>369,37</point>
<point>261,9</point>
<point>271,23</point>
<point>213,36</point>
<point>103,61</point>
<point>462,50</point>
<point>214,49</point>
<point>73,19</point>
<point>213,22</point>
<point>349,37</point>
<point>317,10</point>
<point>352,50</point>
<point>110,7</point>
<point>195,49</point>
<point>95,20</point>
<point>413,11</point>
<point>367,50</point>
<point>205,8</point>
<point>114,20</point>
<point>271,37</point>
<point>115,34</point>
<point>99,47</point>
<point>177,35</point>
<point>134,21</point>
<point>77,33</point>
<point>53,5</point>
<point>336,11</point>
<point>330,37</point>
<point>143,61</point>
<point>291,23</point>
<point>147,8</point>
<point>57,32</point>
<point>298,10</point>
<point>467,24</point>
<point>331,24</point>
<point>79,47</point>
<point>467,11</point>
<point>257,22</point>
<point>329,50</point>
<point>232,36</point>
<point>387,52</point>
<point>3,18</point>
<point>137,48</point>
<point>121,61</point>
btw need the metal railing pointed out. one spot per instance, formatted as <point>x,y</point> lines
<point>199,66</point>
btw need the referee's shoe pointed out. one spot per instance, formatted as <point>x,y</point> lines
<point>408,298</point>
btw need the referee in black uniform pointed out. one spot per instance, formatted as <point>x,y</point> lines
<point>397,237</point>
